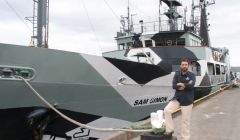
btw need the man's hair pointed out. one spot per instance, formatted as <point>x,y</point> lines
<point>184,60</point>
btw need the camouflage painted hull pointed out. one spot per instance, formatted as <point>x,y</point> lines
<point>99,91</point>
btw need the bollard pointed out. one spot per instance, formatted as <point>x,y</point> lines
<point>157,123</point>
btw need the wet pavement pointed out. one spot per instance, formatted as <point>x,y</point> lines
<point>217,118</point>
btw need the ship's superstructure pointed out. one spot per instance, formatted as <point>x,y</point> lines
<point>116,89</point>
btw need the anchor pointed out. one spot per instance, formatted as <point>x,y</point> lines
<point>39,119</point>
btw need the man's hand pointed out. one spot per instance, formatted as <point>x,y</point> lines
<point>181,86</point>
<point>190,82</point>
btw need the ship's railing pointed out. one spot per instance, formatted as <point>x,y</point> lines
<point>154,26</point>
<point>166,10</point>
<point>217,79</point>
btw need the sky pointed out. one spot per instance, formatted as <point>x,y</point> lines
<point>89,26</point>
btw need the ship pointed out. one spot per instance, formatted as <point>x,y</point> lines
<point>116,89</point>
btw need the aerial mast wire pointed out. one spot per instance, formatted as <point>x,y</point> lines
<point>114,13</point>
<point>17,14</point>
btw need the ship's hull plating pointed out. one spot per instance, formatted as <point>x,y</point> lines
<point>85,87</point>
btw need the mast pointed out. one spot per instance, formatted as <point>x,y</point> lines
<point>159,12</point>
<point>127,21</point>
<point>194,19</point>
<point>128,16</point>
<point>203,23</point>
<point>172,13</point>
<point>40,22</point>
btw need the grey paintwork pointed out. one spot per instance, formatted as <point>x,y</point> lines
<point>67,79</point>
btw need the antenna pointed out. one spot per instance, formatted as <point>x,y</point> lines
<point>194,20</point>
<point>204,24</point>
<point>192,12</point>
<point>185,16</point>
<point>128,16</point>
<point>172,13</point>
<point>126,21</point>
<point>132,27</point>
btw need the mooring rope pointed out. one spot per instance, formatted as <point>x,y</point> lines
<point>136,129</point>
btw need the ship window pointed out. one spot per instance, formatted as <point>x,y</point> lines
<point>146,54</point>
<point>121,46</point>
<point>129,45</point>
<point>217,69</point>
<point>160,43</point>
<point>170,42</point>
<point>211,69</point>
<point>198,43</point>
<point>222,69</point>
<point>191,42</point>
<point>194,42</point>
<point>181,41</point>
<point>195,68</point>
<point>137,44</point>
<point>148,43</point>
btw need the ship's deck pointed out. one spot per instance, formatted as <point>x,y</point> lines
<point>217,118</point>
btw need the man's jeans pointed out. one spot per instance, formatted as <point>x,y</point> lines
<point>186,118</point>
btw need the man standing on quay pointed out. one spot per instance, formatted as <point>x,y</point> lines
<point>183,82</point>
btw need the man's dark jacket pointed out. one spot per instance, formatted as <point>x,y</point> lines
<point>186,96</point>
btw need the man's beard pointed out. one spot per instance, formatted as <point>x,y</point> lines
<point>184,69</point>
